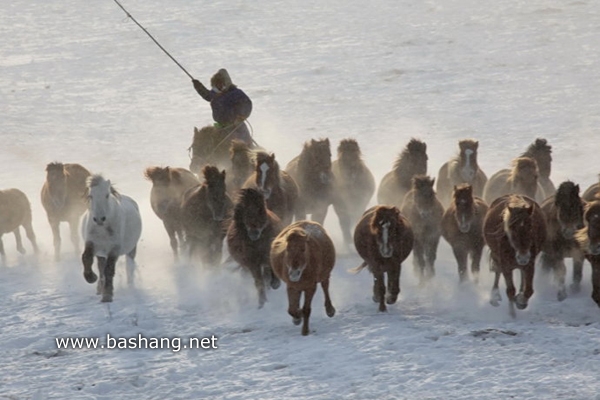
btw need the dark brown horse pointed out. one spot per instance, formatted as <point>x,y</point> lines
<point>564,217</point>
<point>249,238</point>
<point>424,211</point>
<point>210,146</point>
<point>383,238</point>
<point>461,169</point>
<point>541,152</point>
<point>204,209</point>
<point>515,231</point>
<point>63,198</point>
<point>395,184</point>
<point>521,179</point>
<point>168,186</point>
<point>302,256</point>
<point>15,211</point>
<point>354,185</point>
<point>589,242</point>
<point>279,188</point>
<point>462,228</point>
<point>242,166</point>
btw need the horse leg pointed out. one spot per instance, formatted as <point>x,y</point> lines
<point>31,236</point>
<point>431,254</point>
<point>87,258</point>
<point>552,262</point>
<point>510,290</point>
<point>418,259</point>
<point>17,233</point>
<point>306,309</point>
<point>130,266</point>
<point>260,285</point>
<point>578,259</point>
<point>172,238</point>
<point>55,225</point>
<point>320,213</point>
<point>461,255</point>
<point>300,210</point>
<point>2,253</point>
<point>496,297</point>
<point>74,230</point>
<point>270,278</point>
<point>526,290</point>
<point>379,289</point>
<point>102,274</point>
<point>329,309</point>
<point>596,280</point>
<point>393,284</point>
<point>476,254</point>
<point>109,274</point>
<point>294,305</point>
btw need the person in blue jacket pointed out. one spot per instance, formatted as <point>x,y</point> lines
<point>230,105</point>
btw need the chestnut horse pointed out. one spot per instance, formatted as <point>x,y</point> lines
<point>541,152</point>
<point>168,186</point>
<point>278,187</point>
<point>564,217</point>
<point>589,242</point>
<point>249,238</point>
<point>383,238</point>
<point>242,166</point>
<point>424,211</point>
<point>462,228</point>
<point>354,185</point>
<point>395,184</point>
<point>515,230</point>
<point>15,211</point>
<point>63,198</point>
<point>204,208</point>
<point>302,256</point>
<point>521,179</point>
<point>461,169</point>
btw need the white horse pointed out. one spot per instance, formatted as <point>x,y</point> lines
<point>111,227</point>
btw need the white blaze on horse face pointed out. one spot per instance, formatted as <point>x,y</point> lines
<point>264,167</point>
<point>468,171</point>
<point>99,202</point>
<point>385,249</point>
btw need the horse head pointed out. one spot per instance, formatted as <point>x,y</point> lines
<point>56,176</point>
<point>159,176</point>
<point>411,161</point>
<point>589,237</point>
<point>384,225</point>
<point>316,155</point>
<point>251,212</point>
<point>569,208</point>
<point>348,153</point>
<point>296,254</point>
<point>100,194</point>
<point>463,201</point>
<point>468,159</point>
<point>518,223</point>
<point>214,181</point>
<point>267,173</point>
<point>424,195</point>
<point>541,152</point>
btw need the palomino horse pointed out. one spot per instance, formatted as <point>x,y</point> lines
<point>383,238</point>
<point>204,210</point>
<point>395,184</point>
<point>354,185</point>
<point>63,198</point>
<point>249,238</point>
<point>461,169</point>
<point>515,230</point>
<point>424,211</point>
<point>592,191</point>
<point>168,186</point>
<point>302,256</point>
<point>564,217</point>
<point>15,211</point>
<point>462,228</point>
<point>589,241</point>
<point>278,187</point>
<point>210,145</point>
<point>521,179</point>
<point>111,227</point>
<point>541,152</point>
<point>242,166</point>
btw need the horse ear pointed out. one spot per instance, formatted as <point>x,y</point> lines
<point>223,173</point>
<point>272,156</point>
<point>476,144</point>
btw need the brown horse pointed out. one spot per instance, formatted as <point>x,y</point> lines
<point>354,185</point>
<point>461,169</point>
<point>242,166</point>
<point>278,187</point>
<point>302,256</point>
<point>204,208</point>
<point>589,242</point>
<point>564,217</point>
<point>15,211</point>
<point>383,238</point>
<point>462,228</point>
<point>63,198</point>
<point>395,184</point>
<point>168,186</point>
<point>249,238</point>
<point>210,145</point>
<point>515,230</point>
<point>592,191</point>
<point>541,152</point>
<point>521,179</point>
<point>425,212</point>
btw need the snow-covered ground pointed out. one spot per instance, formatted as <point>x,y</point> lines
<point>80,82</point>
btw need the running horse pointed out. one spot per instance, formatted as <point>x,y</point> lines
<point>589,242</point>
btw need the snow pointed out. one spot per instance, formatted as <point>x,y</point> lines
<point>80,82</point>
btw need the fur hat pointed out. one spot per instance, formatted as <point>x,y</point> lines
<point>221,80</point>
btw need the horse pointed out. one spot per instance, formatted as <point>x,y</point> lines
<point>541,152</point>
<point>279,188</point>
<point>462,228</point>
<point>168,186</point>
<point>302,256</point>
<point>514,229</point>
<point>210,145</point>
<point>395,184</point>
<point>111,227</point>
<point>242,166</point>
<point>205,209</point>
<point>354,184</point>
<point>63,198</point>
<point>249,237</point>
<point>15,211</point>
<point>424,212</point>
<point>592,191</point>
<point>461,169</point>
<point>383,238</point>
<point>564,217</point>
<point>521,179</point>
<point>589,242</point>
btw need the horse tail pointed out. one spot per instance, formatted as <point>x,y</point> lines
<point>356,270</point>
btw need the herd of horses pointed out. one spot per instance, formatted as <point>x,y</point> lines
<point>271,217</point>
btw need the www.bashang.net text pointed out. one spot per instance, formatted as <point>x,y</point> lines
<point>174,344</point>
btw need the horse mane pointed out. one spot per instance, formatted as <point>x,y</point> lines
<point>374,224</point>
<point>463,187</point>
<point>422,181</point>
<point>239,146</point>
<point>55,165</point>
<point>566,193</point>
<point>539,146</point>
<point>348,146</point>
<point>521,164</point>
<point>246,196</point>
<point>95,180</point>
<point>212,174</point>
<point>469,144</point>
<point>313,146</point>
<point>414,148</point>
<point>514,202</point>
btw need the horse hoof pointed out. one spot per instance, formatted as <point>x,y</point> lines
<point>107,299</point>
<point>382,308</point>
<point>90,277</point>
<point>521,301</point>
<point>376,299</point>
<point>296,321</point>
<point>275,283</point>
<point>561,295</point>
<point>391,299</point>
<point>330,311</point>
